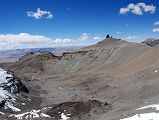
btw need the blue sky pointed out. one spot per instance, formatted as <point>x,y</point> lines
<point>31,23</point>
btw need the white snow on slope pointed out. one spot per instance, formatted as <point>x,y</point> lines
<point>64,117</point>
<point>156,106</point>
<point>146,116</point>
<point>4,93</point>
<point>3,75</point>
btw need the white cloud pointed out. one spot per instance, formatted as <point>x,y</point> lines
<point>97,38</point>
<point>124,10</point>
<point>133,37</point>
<point>40,13</point>
<point>138,9</point>
<point>119,32</point>
<point>62,41</point>
<point>84,37</point>
<point>156,23</point>
<point>24,40</point>
<point>155,30</point>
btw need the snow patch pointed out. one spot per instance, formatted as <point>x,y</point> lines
<point>145,116</point>
<point>13,108</point>
<point>2,113</point>
<point>3,75</point>
<point>156,106</point>
<point>65,117</point>
<point>30,115</point>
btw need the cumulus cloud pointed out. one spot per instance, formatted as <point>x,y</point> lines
<point>40,13</point>
<point>84,37</point>
<point>124,10</point>
<point>25,40</point>
<point>155,30</point>
<point>156,23</point>
<point>138,9</point>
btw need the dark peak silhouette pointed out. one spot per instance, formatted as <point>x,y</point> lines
<point>108,36</point>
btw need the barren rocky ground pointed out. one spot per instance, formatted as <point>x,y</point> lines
<point>105,81</point>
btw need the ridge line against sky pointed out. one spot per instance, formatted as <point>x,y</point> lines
<point>29,24</point>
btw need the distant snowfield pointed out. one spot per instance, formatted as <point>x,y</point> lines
<point>7,88</point>
<point>146,116</point>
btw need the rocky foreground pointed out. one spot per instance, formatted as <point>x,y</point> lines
<point>12,98</point>
<point>111,80</point>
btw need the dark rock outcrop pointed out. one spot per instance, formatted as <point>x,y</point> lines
<point>77,108</point>
<point>20,86</point>
<point>107,36</point>
<point>2,103</point>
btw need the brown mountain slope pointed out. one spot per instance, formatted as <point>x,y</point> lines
<point>122,73</point>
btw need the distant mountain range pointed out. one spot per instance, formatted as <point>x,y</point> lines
<point>151,42</point>
<point>14,55</point>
